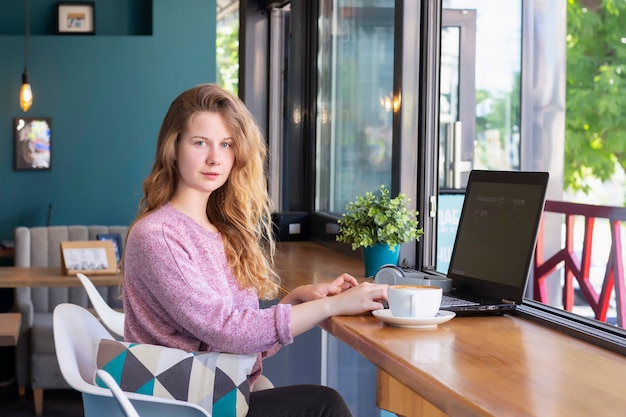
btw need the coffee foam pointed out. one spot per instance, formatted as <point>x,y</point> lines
<point>414,287</point>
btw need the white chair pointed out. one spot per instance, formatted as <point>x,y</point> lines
<point>112,319</point>
<point>122,400</point>
<point>76,336</point>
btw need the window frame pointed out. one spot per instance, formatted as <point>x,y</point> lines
<point>595,332</point>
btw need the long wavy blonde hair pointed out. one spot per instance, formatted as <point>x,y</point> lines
<point>240,209</point>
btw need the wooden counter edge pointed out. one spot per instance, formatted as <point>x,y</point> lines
<point>393,396</point>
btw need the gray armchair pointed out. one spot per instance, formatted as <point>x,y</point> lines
<point>36,363</point>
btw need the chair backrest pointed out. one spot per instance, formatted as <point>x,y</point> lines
<point>122,400</point>
<point>41,246</point>
<point>112,319</point>
<point>77,333</point>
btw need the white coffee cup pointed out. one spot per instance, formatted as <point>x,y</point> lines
<point>414,300</point>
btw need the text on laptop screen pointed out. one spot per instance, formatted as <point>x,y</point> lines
<point>496,232</point>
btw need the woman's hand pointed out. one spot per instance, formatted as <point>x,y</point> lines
<point>351,301</point>
<point>338,285</point>
<point>311,292</point>
<point>363,298</point>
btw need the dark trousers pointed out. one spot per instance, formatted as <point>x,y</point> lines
<point>298,401</point>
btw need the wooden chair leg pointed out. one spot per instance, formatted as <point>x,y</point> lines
<point>38,399</point>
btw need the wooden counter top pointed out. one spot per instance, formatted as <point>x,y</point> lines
<point>300,263</point>
<point>469,366</point>
<point>16,277</point>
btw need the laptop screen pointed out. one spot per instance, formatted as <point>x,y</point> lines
<point>497,233</point>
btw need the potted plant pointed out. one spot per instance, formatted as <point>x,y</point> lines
<point>378,224</point>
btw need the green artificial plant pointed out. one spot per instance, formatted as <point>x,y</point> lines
<point>372,219</point>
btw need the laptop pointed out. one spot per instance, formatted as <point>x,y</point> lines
<point>495,241</point>
<point>494,245</point>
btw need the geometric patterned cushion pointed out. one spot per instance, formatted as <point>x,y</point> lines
<point>217,382</point>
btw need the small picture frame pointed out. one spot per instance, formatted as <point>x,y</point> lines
<point>116,238</point>
<point>32,143</point>
<point>76,18</point>
<point>89,257</point>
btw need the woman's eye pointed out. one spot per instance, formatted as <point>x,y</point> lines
<point>226,145</point>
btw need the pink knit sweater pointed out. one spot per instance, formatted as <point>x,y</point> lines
<point>180,292</point>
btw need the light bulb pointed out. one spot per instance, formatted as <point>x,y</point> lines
<point>26,93</point>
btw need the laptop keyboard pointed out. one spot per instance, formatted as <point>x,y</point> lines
<point>450,301</point>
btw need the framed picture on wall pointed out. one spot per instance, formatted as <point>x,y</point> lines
<point>32,143</point>
<point>76,18</point>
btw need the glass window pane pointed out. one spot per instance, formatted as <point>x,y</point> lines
<point>354,101</point>
<point>494,142</point>
<point>227,45</point>
<point>587,277</point>
<point>582,274</point>
<point>497,84</point>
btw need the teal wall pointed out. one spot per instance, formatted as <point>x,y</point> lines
<point>106,95</point>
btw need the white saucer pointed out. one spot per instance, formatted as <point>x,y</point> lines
<point>414,322</point>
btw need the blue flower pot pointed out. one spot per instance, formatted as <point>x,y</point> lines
<point>378,255</point>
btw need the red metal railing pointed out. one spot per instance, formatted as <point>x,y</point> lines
<point>575,268</point>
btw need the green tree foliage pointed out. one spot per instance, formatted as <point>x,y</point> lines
<point>595,138</point>
<point>227,48</point>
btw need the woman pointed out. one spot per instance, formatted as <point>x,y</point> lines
<point>195,263</point>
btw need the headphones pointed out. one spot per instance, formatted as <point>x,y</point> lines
<point>393,275</point>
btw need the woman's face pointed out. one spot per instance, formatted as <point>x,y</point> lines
<point>204,154</point>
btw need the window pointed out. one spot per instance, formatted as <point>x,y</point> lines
<point>480,102</point>
<point>227,45</point>
<point>354,101</point>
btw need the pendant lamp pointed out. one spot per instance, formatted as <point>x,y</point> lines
<point>26,93</point>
